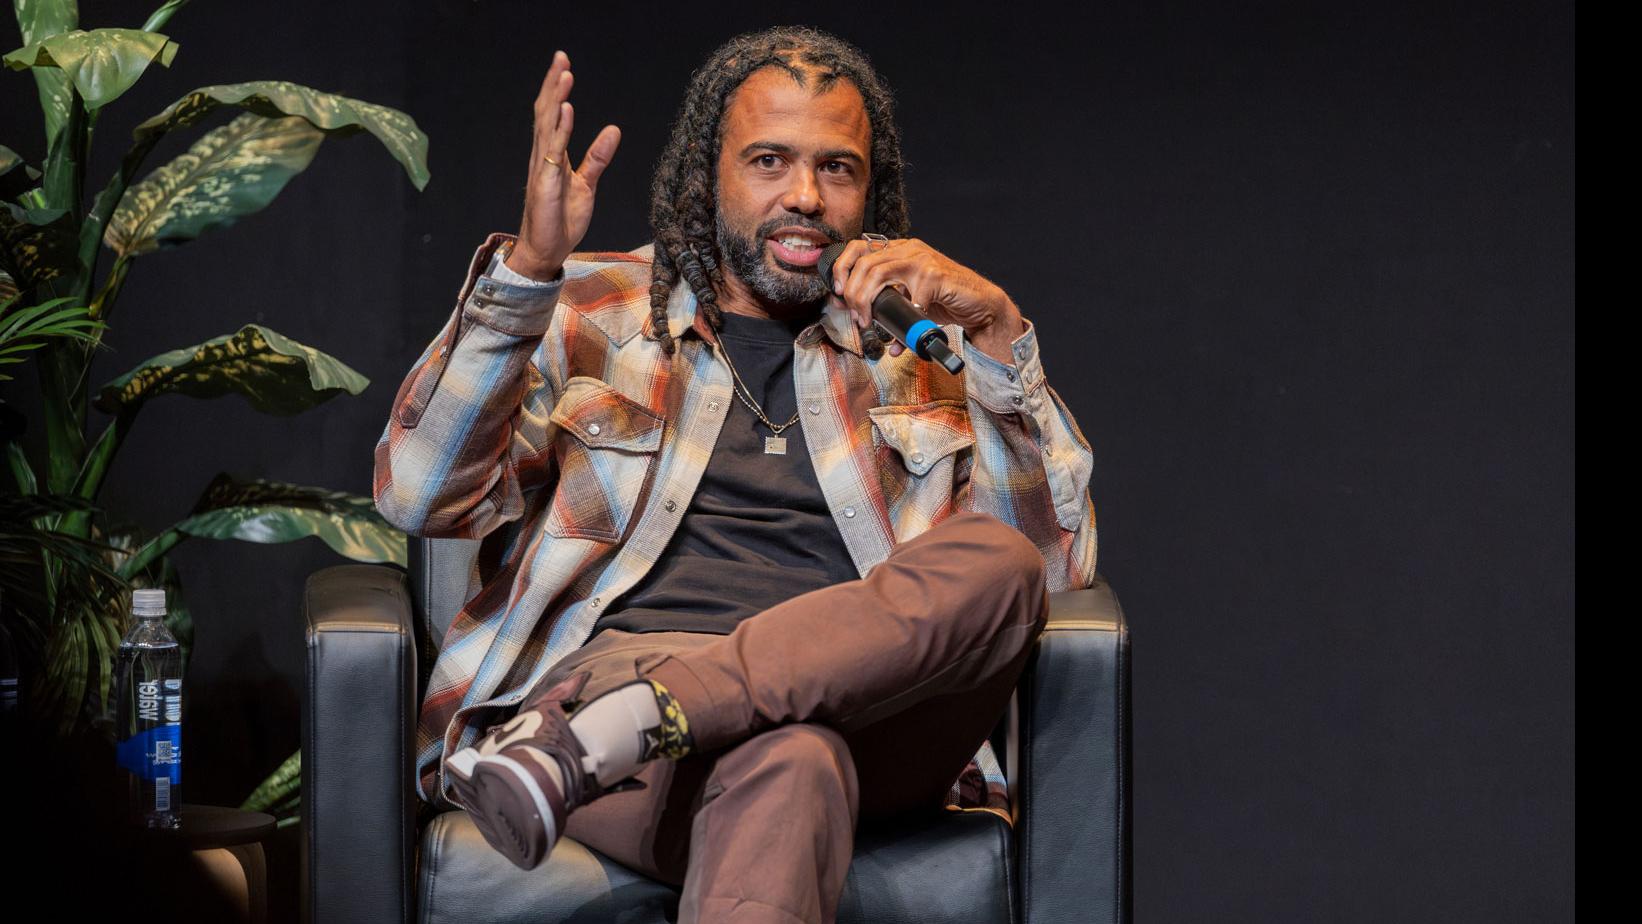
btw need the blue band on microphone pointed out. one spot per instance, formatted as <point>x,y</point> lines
<point>918,330</point>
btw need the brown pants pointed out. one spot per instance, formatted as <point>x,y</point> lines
<point>859,700</point>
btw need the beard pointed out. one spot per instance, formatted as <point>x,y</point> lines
<point>779,286</point>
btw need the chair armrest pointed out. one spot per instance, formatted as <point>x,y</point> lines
<point>358,727</point>
<point>1069,764</point>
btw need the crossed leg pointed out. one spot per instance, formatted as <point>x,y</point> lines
<point>862,699</point>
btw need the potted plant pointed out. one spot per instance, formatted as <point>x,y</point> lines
<point>67,565</point>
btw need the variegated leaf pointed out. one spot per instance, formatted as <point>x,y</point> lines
<point>39,20</point>
<point>336,115</point>
<point>36,245</point>
<point>232,171</point>
<point>279,785</point>
<point>102,63</point>
<point>275,373</point>
<point>271,511</point>
<point>16,175</point>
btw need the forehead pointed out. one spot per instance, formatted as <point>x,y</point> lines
<point>770,106</point>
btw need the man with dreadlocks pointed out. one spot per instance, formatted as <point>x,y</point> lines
<point>767,578</point>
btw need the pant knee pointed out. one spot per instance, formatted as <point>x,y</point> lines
<point>812,751</point>
<point>1011,560</point>
<point>803,757</point>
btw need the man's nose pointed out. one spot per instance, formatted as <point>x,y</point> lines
<point>804,194</point>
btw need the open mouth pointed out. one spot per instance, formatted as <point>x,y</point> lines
<point>798,246</point>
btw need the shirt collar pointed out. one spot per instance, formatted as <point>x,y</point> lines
<point>836,323</point>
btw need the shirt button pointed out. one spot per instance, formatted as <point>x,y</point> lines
<point>671,506</point>
<point>849,512</point>
<point>815,408</point>
<point>594,601</point>
<point>1049,452</point>
<point>917,457</point>
<point>1021,351</point>
<point>1009,374</point>
<point>712,405</point>
<point>593,429</point>
<point>1017,399</point>
<point>488,288</point>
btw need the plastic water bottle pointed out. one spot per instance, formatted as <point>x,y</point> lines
<point>148,714</point>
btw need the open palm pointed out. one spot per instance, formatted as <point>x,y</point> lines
<point>558,199</point>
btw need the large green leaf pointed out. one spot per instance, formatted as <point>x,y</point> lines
<point>16,175</point>
<point>336,115</point>
<point>271,511</point>
<point>276,374</point>
<point>232,171</point>
<point>36,245</point>
<point>39,20</point>
<point>102,63</point>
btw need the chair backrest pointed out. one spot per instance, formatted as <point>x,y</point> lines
<point>439,570</point>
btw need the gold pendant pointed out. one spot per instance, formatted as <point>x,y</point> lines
<point>775,445</point>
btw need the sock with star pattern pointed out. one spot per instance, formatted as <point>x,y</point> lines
<point>628,726</point>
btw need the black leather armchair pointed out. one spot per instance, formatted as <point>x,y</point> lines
<point>371,852</point>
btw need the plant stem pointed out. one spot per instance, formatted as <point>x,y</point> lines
<point>90,481</point>
<point>110,290</point>
<point>157,19</point>
<point>152,549</point>
<point>21,469</point>
<point>65,436</point>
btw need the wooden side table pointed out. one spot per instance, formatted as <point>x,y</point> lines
<point>223,846</point>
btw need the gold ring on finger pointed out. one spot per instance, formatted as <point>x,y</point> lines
<point>550,160</point>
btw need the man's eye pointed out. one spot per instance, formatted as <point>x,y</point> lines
<point>768,160</point>
<point>842,167</point>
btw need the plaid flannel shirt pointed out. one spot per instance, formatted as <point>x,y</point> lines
<point>546,406</point>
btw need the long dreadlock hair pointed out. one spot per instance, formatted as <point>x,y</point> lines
<point>684,191</point>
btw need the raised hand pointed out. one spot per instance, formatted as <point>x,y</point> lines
<point>558,199</point>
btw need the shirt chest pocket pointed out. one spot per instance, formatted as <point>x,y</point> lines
<point>606,445</point>
<point>924,442</point>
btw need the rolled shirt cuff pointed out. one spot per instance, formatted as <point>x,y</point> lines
<point>1016,386</point>
<point>510,302</point>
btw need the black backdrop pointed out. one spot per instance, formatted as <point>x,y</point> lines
<point>1305,274</point>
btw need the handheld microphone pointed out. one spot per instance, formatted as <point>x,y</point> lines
<point>892,312</point>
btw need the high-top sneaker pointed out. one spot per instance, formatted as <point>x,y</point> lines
<point>503,782</point>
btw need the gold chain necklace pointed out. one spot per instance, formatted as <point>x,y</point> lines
<point>773,445</point>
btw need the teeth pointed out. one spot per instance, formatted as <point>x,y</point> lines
<point>798,243</point>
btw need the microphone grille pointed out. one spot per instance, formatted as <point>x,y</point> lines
<point>829,256</point>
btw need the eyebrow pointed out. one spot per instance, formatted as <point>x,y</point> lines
<point>789,150</point>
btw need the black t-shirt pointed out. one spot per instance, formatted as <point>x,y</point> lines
<point>758,530</point>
